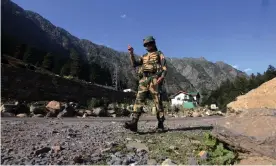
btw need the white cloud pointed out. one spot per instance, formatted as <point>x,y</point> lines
<point>235,66</point>
<point>247,70</point>
<point>123,16</point>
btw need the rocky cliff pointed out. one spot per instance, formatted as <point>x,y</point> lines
<point>184,74</point>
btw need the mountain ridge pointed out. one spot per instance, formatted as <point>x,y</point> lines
<point>184,73</point>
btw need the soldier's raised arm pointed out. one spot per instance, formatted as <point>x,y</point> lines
<point>134,62</point>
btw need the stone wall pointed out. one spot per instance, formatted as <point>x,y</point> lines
<point>23,84</point>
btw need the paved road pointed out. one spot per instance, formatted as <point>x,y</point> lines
<point>172,123</point>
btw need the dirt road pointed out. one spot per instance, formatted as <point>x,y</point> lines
<point>77,140</point>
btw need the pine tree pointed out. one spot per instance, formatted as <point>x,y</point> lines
<point>65,70</point>
<point>270,73</point>
<point>19,51</point>
<point>75,63</point>
<point>48,61</point>
<point>93,75</point>
<point>84,72</point>
<point>259,79</point>
<point>28,55</point>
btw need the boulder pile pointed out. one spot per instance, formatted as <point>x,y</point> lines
<point>196,112</point>
<point>61,109</point>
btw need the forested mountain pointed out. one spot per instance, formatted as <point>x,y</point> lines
<point>34,39</point>
<point>229,90</point>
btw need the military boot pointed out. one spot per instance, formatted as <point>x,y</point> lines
<point>132,125</point>
<point>161,119</point>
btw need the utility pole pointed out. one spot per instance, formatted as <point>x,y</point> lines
<point>115,77</point>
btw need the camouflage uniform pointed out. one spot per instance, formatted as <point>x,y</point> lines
<point>152,66</point>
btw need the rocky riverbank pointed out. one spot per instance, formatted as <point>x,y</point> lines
<point>62,109</point>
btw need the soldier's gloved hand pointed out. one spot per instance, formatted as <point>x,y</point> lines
<point>130,49</point>
<point>160,79</point>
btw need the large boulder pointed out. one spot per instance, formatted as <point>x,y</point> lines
<point>68,111</point>
<point>11,108</point>
<point>37,108</point>
<point>54,107</point>
<point>252,131</point>
<point>100,111</point>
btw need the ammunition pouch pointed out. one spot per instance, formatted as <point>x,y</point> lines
<point>149,74</point>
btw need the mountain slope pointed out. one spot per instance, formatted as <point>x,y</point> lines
<point>183,74</point>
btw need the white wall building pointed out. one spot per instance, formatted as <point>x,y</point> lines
<point>181,97</point>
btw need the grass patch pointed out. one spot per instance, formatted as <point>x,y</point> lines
<point>174,145</point>
<point>179,146</point>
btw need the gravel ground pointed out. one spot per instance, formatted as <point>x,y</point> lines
<point>67,141</point>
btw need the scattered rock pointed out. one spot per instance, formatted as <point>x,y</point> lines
<point>128,139</point>
<point>151,162</point>
<point>21,115</point>
<point>7,114</point>
<point>137,140</point>
<point>105,150</point>
<point>56,148</point>
<point>50,114</point>
<point>78,159</point>
<point>192,161</point>
<point>172,147</point>
<point>42,150</point>
<point>168,162</point>
<point>150,141</point>
<point>196,114</point>
<point>137,145</point>
<point>38,115</point>
<point>195,142</point>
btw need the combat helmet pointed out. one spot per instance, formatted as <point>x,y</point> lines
<point>148,39</point>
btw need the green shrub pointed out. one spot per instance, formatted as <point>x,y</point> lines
<point>93,103</point>
<point>218,154</point>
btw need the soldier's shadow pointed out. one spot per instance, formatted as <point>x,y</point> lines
<point>177,129</point>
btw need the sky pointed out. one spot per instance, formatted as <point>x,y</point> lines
<point>241,33</point>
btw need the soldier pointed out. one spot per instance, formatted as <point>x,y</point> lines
<point>153,69</point>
